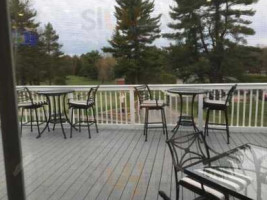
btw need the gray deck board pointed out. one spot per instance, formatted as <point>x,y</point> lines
<point>116,164</point>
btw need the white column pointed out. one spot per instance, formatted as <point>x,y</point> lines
<point>132,109</point>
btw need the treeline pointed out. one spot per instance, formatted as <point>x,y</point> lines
<point>94,66</point>
<point>207,40</point>
<point>207,44</point>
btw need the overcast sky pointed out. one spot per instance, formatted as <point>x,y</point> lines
<point>85,25</point>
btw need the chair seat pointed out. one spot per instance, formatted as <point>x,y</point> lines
<point>75,103</point>
<point>215,104</point>
<point>195,184</point>
<point>29,104</point>
<point>152,104</point>
<point>230,179</point>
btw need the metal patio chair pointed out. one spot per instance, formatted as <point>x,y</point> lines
<point>187,150</point>
<point>26,102</point>
<point>147,102</point>
<point>219,103</point>
<point>85,105</point>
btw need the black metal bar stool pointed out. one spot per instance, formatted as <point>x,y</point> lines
<point>85,105</point>
<point>148,103</point>
<point>220,103</point>
<point>26,102</point>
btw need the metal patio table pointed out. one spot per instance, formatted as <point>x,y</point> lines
<point>188,120</point>
<point>240,172</point>
<point>57,115</point>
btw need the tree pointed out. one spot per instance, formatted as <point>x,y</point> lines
<point>88,64</point>
<point>22,16</point>
<point>212,29</point>
<point>27,57</point>
<point>105,68</point>
<point>135,31</point>
<point>187,66</point>
<point>155,67</point>
<point>263,60</point>
<point>51,47</point>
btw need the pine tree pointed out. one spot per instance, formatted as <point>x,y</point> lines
<point>50,39</point>
<point>88,62</point>
<point>135,31</point>
<point>51,48</point>
<point>26,59</point>
<point>22,16</point>
<point>212,29</point>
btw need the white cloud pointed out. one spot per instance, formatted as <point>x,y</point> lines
<point>85,25</point>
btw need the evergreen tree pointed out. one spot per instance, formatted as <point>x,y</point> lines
<point>135,31</point>
<point>211,29</point>
<point>89,68</point>
<point>26,56</point>
<point>49,39</point>
<point>22,16</point>
<point>51,47</point>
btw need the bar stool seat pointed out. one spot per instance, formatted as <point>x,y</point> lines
<point>153,103</point>
<point>82,104</point>
<point>34,104</point>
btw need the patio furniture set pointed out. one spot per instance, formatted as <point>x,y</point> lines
<point>220,103</point>
<point>55,99</point>
<point>199,168</point>
<point>237,173</point>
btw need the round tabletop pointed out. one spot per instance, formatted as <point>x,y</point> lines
<point>55,92</point>
<point>187,91</point>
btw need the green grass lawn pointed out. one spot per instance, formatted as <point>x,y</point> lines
<point>78,80</point>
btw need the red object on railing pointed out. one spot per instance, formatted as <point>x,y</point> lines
<point>120,81</point>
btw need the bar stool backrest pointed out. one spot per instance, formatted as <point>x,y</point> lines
<point>230,94</point>
<point>91,96</point>
<point>144,93</point>
<point>187,149</point>
<point>24,95</point>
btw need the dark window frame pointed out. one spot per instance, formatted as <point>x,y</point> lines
<point>8,111</point>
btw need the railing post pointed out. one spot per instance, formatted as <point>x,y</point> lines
<point>132,109</point>
<point>200,112</point>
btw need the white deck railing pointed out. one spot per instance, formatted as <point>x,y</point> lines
<point>118,104</point>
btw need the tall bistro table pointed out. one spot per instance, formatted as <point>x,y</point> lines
<point>57,115</point>
<point>188,120</point>
<point>240,172</point>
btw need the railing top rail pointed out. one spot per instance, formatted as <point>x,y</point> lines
<point>241,86</point>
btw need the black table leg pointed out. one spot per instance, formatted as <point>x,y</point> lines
<point>49,118</point>
<point>60,117</point>
<point>54,111</point>
<point>176,128</point>
<point>191,118</point>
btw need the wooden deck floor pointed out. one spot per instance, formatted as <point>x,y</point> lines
<point>115,164</point>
